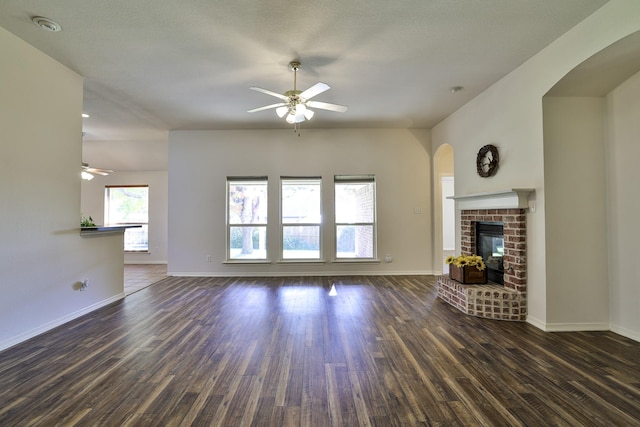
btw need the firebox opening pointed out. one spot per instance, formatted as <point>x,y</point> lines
<point>490,246</point>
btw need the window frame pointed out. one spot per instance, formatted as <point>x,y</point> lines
<point>144,225</point>
<point>355,179</point>
<point>319,224</point>
<point>235,180</point>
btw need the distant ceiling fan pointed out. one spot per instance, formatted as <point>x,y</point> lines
<point>295,103</point>
<point>88,172</point>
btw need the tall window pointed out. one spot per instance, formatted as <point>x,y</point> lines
<point>355,206</point>
<point>247,218</point>
<point>301,218</point>
<point>129,205</point>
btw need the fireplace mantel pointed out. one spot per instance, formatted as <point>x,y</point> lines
<point>515,198</point>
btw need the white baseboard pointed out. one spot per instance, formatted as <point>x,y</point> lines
<point>130,262</point>
<point>536,322</point>
<point>568,327</point>
<point>297,274</point>
<point>577,327</point>
<point>628,333</point>
<point>54,324</point>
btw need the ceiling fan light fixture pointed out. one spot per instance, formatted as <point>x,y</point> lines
<point>86,175</point>
<point>282,111</point>
<point>291,119</point>
<point>301,110</point>
<point>309,114</point>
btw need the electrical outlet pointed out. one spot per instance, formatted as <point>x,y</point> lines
<point>208,258</point>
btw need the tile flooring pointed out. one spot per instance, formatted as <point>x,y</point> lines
<point>139,276</point>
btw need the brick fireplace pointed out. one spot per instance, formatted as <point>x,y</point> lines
<point>493,300</point>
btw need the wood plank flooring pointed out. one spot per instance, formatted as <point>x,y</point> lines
<point>282,352</point>
<point>139,276</point>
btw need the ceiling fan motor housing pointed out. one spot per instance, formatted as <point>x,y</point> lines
<point>294,65</point>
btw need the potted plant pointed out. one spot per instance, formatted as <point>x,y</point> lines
<point>467,269</point>
<point>86,221</point>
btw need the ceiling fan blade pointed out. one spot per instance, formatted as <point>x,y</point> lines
<point>267,107</point>
<point>282,111</point>
<point>326,106</point>
<point>314,90</point>
<point>97,171</point>
<point>268,92</point>
<point>103,172</point>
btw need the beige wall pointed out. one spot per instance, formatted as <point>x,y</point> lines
<point>200,161</point>
<point>575,210</point>
<point>42,256</point>
<point>509,115</point>
<point>623,203</point>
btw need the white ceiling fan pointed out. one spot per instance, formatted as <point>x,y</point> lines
<point>88,172</point>
<point>296,104</point>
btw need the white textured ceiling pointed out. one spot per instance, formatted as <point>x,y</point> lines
<point>156,65</point>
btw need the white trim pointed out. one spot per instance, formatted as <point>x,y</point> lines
<point>160,262</point>
<point>576,327</point>
<point>535,322</point>
<point>299,273</point>
<point>54,324</point>
<point>247,261</point>
<point>299,261</point>
<point>515,198</point>
<point>628,333</point>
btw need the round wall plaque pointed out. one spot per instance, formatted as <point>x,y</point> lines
<point>487,161</point>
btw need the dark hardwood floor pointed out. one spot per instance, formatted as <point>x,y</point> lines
<point>282,352</point>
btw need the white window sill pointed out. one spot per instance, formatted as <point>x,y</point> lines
<point>301,261</point>
<point>247,261</point>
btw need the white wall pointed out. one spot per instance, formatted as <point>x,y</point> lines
<point>576,223</point>
<point>93,205</point>
<point>623,202</point>
<point>200,161</point>
<point>42,255</point>
<point>509,115</point>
